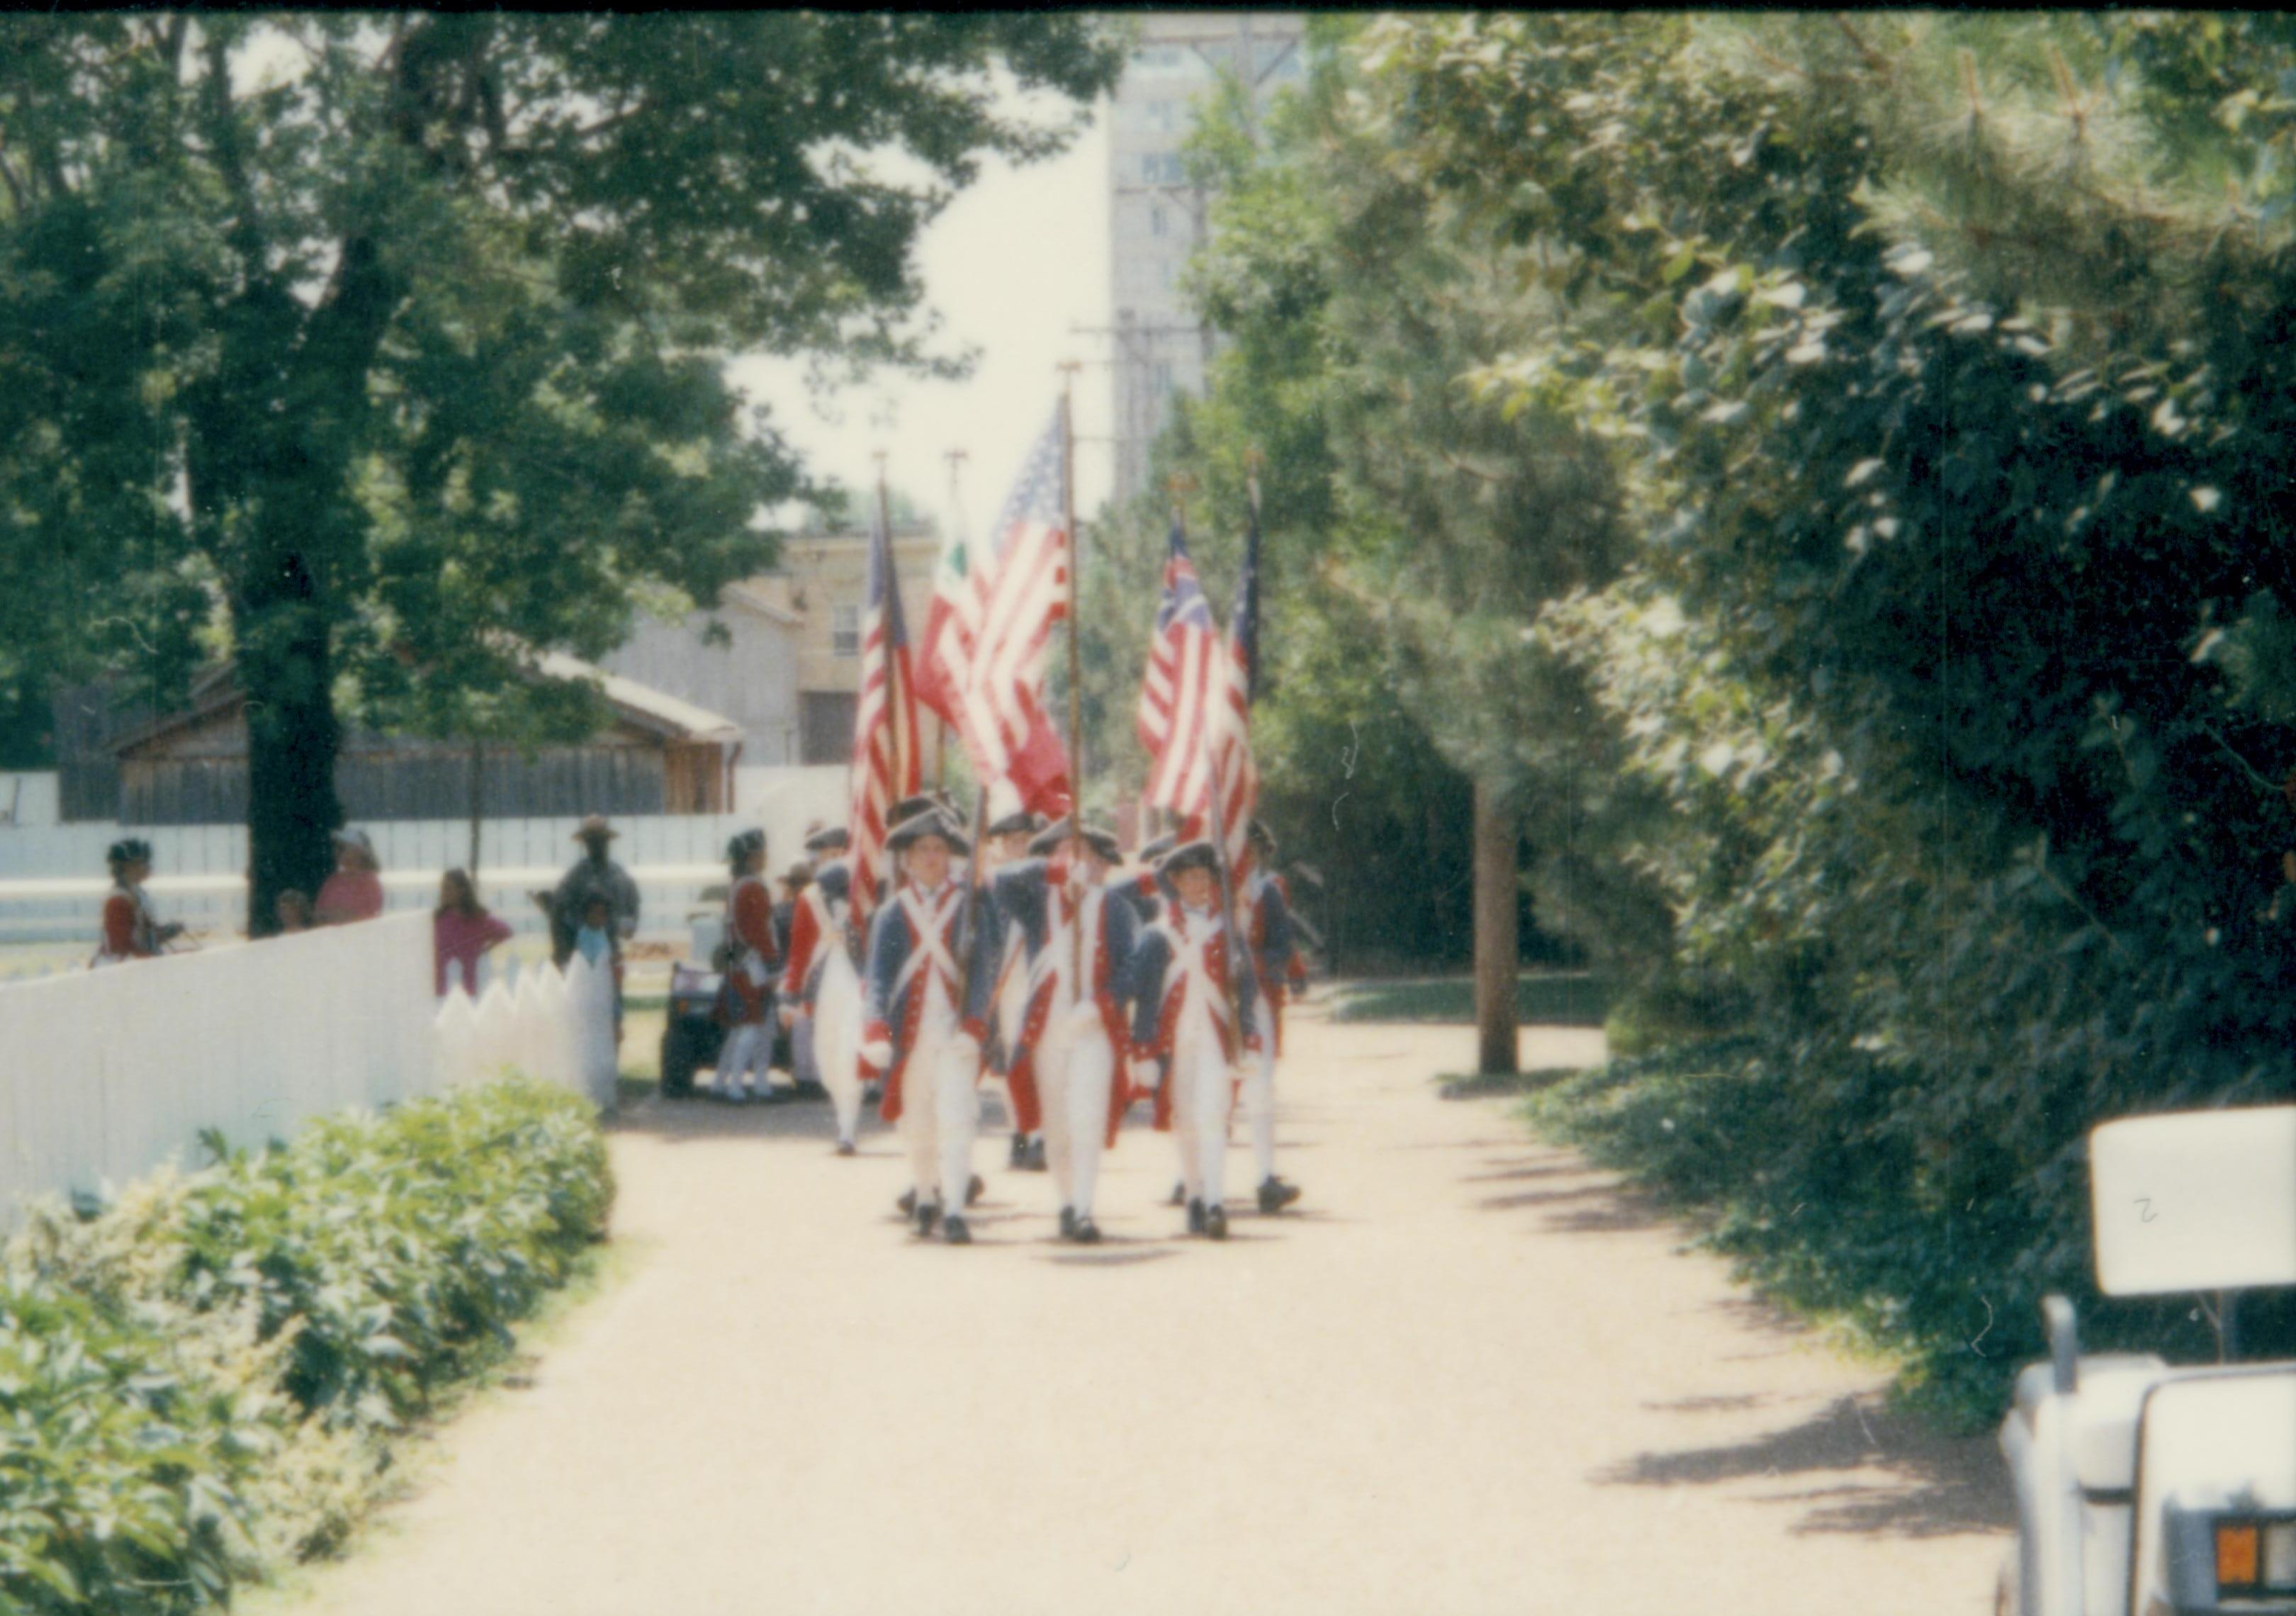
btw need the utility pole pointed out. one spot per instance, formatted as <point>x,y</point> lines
<point>1495,942</point>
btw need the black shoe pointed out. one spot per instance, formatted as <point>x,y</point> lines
<point>1216,1222</point>
<point>1087,1232</point>
<point>1195,1217</point>
<point>907,1203</point>
<point>1275,1195</point>
<point>952,1230</point>
<point>928,1216</point>
<point>1068,1223</point>
<point>1017,1159</point>
<point>1036,1156</point>
<point>845,1147</point>
<point>974,1190</point>
<point>808,1091</point>
<point>1179,1196</point>
<point>871,1092</point>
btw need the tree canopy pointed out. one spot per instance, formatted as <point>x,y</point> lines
<point>380,354</point>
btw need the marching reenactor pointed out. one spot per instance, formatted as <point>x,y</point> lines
<point>751,960</point>
<point>925,993</point>
<point>1192,994</point>
<point>820,997</point>
<point>1006,842</point>
<point>1264,916</point>
<point>1145,892</point>
<point>1073,1032</point>
<point>129,930</point>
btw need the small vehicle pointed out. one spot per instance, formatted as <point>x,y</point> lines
<point>692,1035</point>
<point>2145,1488</point>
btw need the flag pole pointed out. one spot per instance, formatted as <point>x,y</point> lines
<point>941,725</point>
<point>1076,662</point>
<point>892,667</point>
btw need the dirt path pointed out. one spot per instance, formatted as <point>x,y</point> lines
<point>1469,1376</point>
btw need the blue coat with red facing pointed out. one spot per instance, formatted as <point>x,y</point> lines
<point>1268,933</point>
<point>902,952</point>
<point>1026,894</point>
<point>1159,989</point>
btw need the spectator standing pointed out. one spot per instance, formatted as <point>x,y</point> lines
<point>593,875</point>
<point>461,930</point>
<point>354,890</point>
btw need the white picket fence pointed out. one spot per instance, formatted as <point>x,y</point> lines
<point>53,880</point>
<point>107,1074</point>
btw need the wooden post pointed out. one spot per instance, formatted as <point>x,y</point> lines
<point>1076,669</point>
<point>1495,930</point>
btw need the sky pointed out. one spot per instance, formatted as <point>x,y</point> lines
<point>1016,261</point>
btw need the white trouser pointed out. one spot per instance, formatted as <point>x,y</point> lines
<point>748,1049</point>
<point>836,1040</point>
<point>1258,1097</point>
<point>1201,1092</point>
<point>940,1112</point>
<point>1075,1068</point>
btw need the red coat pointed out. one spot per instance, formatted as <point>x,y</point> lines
<point>750,914</point>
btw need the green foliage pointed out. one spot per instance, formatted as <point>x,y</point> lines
<point>1917,672</point>
<point>389,350</point>
<point>203,1380</point>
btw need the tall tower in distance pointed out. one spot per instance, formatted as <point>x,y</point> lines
<point>1156,216</point>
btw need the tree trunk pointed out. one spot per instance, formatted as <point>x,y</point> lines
<point>1495,939</point>
<point>286,668</point>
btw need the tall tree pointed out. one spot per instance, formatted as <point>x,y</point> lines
<point>389,350</point>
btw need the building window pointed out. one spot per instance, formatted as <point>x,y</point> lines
<point>1162,168</point>
<point>1163,377</point>
<point>826,725</point>
<point>1156,220</point>
<point>845,631</point>
<point>1159,115</point>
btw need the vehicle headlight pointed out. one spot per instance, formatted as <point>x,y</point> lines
<point>2238,1560</point>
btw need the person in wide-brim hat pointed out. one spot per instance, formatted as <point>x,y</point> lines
<point>1099,837</point>
<point>1200,855</point>
<point>928,822</point>
<point>831,838</point>
<point>595,828</point>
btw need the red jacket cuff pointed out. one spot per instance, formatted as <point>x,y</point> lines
<point>877,1032</point>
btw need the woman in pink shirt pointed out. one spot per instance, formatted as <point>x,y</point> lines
<point>461,930</point>
<point>354,890</point>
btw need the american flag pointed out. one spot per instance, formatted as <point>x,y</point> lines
<point>885,762</point>
<point>996,621</point>
<point>1192,715</point>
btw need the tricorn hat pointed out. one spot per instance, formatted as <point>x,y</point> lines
<point>123,852</point>
<point>927,822</point>
<point>594,825</point>
<point>797,874</point>
<point>1156,849</point>
<point>1102,840</point>
<point>1021,823</point>
<point>1189,856</point>
<point>744,843</point>
<point>831,838</point>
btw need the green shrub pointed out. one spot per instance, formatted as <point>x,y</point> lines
<point>203,1379</point>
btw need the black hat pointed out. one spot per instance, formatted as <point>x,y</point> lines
<point>121,852</point>
<point>744,844</point>
<point>1102,840</point>
<point>1189,856</point>
<point>1156,849</point>
<point>929,822</point>
<point>909,808</point>
<point>825,840</point>
<point>1021,823</point>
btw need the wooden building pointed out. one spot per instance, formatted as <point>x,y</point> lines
<point>656,754</point>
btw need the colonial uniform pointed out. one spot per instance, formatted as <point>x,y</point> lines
<point>821,989</point>
<point>1185,981</point>
<point>925,995</point>
<point>1010,997</point>
<point>1073,1031</point>
<point>1266,920</point>
<point>751,969</point>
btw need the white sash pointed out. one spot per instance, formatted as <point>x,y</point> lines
<point>928,926</point>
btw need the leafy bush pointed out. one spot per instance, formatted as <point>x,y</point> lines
<point>203,1380</point>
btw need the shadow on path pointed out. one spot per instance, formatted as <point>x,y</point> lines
<point>1931,1486</point>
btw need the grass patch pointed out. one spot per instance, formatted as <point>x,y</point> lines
<point>1553,998</point>
<point>1485,1086</point>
